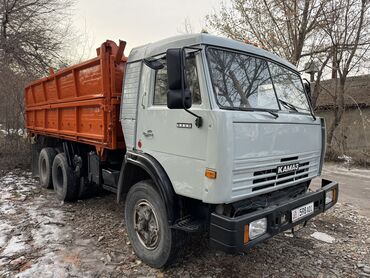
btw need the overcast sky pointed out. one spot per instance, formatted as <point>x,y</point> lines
<point>139,21</point>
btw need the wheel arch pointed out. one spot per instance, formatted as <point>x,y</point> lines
<point>141,166</point>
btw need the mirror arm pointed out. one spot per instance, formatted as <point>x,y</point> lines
<point>198,120</point>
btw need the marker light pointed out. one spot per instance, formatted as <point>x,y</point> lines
<point>246,234</point>
<point>257,228</point>
<point>211,174</point>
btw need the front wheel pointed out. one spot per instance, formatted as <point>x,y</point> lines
<point>147,226</point>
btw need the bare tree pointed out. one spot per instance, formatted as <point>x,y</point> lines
<point>323,59</point>
<point>11,108</point>
<point>282,26</point>
<point>33,36</point>
<point>186,27</point>
<point>33,33</point>
<point>79,46</point>
<point>348,29</point>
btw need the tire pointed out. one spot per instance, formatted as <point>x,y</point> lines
<point>45,163</point>
<point>64,181</point>
<point>169,241</point>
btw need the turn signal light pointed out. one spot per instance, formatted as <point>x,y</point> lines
<point>246,234</point>
<point>211,174</point>
<point>335,196</point>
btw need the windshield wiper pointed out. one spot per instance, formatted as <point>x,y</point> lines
<point>291,106</point>
<point>273,113</point>
<point>276,115</point>
<point>288,105</point>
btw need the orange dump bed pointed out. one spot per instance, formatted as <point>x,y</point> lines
<point>81,103</point>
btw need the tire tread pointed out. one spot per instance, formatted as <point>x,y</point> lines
<point>177,237</point>
<point>50,154</point>
<point>70,188</point>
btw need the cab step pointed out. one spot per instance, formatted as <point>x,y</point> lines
<point>189,224</point>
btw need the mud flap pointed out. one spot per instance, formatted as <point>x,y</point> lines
<point>35,152</point>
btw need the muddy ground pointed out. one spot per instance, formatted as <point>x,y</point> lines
<point>41,237</point>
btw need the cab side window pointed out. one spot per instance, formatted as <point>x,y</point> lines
<point>161,84</point>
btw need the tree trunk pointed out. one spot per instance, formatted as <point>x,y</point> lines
<point>338,111</point>
<point>315,94</point>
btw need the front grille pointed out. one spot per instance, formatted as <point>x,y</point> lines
<point>269,178</point>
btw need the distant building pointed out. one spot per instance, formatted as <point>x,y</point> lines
<point>353,134</point>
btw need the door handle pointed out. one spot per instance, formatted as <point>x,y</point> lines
<point>148,133</point>
<point>142,100</point>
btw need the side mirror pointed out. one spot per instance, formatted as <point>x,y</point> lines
<point>307,88</point>
<point>178,96</point>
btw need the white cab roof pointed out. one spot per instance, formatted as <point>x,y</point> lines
<point>152,49</point>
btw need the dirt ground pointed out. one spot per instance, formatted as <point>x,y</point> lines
<point>41,237</point>
<point>354,185</point>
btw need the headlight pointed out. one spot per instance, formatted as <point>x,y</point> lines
<point>257,228</point>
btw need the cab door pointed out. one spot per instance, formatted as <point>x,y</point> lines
<point>170,135</point>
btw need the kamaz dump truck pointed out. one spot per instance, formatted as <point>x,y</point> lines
<point>195,133</point>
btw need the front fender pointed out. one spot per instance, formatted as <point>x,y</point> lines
<point>156,172</point>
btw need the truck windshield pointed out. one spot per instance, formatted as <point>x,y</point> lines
<point>241,81</point>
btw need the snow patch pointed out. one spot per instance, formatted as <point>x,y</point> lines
<point>46,234</point>
<point>46,266</point>
<point>7,208</point>
<point>5,229</point>
<point>323,237</point>
<point>48,226</point>
<point>347,159</point>
<point>20,131</point>
<point>15,245</point>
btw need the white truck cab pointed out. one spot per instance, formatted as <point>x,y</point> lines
<point>237,140</point>
<point>231,129</point>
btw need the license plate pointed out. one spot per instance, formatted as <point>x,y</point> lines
<point>302,211</point>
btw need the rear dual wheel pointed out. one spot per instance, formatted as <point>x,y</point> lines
<point>45,164</point>
<point>55,172</point>
<point>64,180</point>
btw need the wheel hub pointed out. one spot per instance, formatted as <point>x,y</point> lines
<point>146,224</point>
